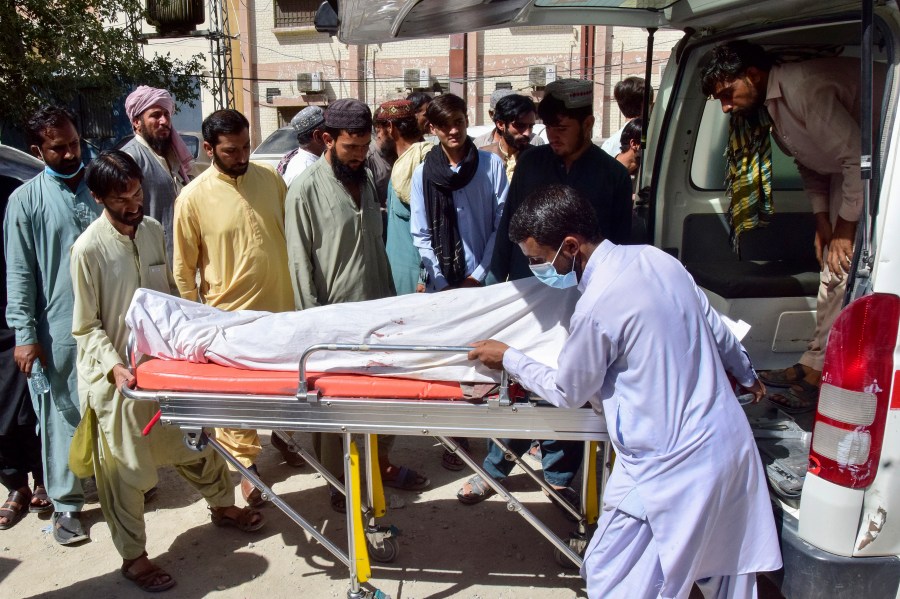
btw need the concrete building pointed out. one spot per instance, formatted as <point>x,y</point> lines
<point>290,65</point>
<point>281,63</point>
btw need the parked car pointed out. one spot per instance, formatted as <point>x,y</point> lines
<point>833,473</point>
<point>274,147</point>
<point>16,165</point>
<point>194,142</point>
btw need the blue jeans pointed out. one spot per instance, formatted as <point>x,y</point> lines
<point>560,459</point>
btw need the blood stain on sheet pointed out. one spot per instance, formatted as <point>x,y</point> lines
<point>398,321</point>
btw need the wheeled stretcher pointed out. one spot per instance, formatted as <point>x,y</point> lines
<point>196,396</point>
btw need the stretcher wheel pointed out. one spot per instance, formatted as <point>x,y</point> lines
<point>577,543</point>
<point>387,552</point>
<point>196,441</point>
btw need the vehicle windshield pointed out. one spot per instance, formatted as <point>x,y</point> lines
<point>192,143</point>
<point>637,4</point>
<point>282,141</point>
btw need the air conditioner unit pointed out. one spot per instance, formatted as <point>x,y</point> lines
<point>541,76</point>
<point>417,78</point>
<point>310,82</point>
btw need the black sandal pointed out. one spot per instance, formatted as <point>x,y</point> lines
<point>43,504</point>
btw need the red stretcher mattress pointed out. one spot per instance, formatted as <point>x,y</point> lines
<point>173,375</point>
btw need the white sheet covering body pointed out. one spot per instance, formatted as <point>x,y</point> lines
<point>523,313</point>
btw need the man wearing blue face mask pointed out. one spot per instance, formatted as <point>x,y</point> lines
<point>44,218</point>
<point>687,501</point>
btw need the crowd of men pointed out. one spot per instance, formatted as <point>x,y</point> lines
<point>366,208</point>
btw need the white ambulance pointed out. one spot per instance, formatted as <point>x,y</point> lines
<point>835,472</point>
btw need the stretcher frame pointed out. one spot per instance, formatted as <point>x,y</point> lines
<point>308,411</point>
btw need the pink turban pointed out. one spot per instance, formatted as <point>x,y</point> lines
<point>145,97</point>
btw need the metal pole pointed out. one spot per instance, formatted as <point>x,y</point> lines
<point>270,495</point>
<point>861,264</point>
<point>513,504</point>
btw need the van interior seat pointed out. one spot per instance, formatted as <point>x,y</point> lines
<point>778,260</point>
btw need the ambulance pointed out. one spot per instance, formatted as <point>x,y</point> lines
<point>834,473</point>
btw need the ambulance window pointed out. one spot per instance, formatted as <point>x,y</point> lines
<point>708,163</point>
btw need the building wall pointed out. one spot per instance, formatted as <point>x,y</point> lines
<point>267,60</point>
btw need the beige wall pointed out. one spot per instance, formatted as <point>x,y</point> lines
<point>374,73</point>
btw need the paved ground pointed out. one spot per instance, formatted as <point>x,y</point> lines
<point>447,549</point>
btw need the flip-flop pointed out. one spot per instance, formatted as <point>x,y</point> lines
<point>13,508</point>
<point>43,504</point>
<point>796,399</point>
<point>249,520</point>
<point>480,491</point>
<point>406,480</point>
<point>779,378</point>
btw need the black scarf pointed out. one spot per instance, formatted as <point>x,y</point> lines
<point>439,184</point>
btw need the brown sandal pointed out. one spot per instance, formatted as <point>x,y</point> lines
<point>13,508</point>
<point>249,519</point>
<point>152,580</point>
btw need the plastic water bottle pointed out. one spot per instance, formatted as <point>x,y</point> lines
<point>38,380</point>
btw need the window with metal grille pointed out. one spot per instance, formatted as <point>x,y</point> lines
<point>295,13</point>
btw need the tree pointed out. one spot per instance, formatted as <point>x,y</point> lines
<point>53,50</point>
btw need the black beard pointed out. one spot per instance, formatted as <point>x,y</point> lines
<point>347,175</point>
<point>234,173</point>
<point>389,150</point>
<point>160,146</point>
<point>512,143</point>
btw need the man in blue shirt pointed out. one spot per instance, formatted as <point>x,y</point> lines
<point>44,218</point>
<point>456,201</point>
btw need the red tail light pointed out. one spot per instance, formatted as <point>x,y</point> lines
<point>855,394</point>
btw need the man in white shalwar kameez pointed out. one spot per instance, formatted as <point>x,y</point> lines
<point>687,500</point>
<point>118,253</point>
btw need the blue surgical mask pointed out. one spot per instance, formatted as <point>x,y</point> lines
<point>53,173</point>
<point>546,273</point>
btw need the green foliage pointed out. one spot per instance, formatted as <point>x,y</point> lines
<point>52,49</point>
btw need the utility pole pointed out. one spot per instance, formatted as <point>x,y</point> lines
<point>219,35</point>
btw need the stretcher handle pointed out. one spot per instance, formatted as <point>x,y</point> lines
<point>130,359</point>
<point>303,391</point>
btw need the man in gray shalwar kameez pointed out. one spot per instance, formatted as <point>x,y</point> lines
<point>164,158</point>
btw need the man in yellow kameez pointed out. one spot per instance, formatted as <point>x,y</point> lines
<point>120,252</point>
<point>229,225</point>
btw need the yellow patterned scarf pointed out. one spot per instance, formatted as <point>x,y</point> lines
<point>748,181</point>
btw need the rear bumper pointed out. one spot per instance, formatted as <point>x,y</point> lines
<point>810,573</point>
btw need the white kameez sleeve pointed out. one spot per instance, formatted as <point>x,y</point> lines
<point>733,355</point>
<point>583,362</point>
